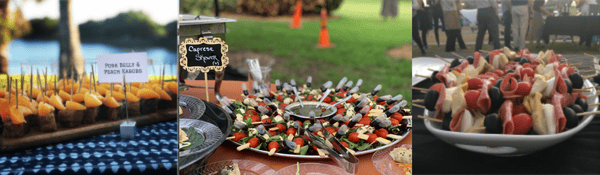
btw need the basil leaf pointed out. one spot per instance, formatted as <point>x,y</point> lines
<point>364,145</point>
<point>249,122</point>
<point>303,150</point>
<point>274,138</point>
<point>244,140</point>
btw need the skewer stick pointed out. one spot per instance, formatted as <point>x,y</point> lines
<point>321,153</point>
<point>256,123</point>
<point>437,56</point>
<point>461,57</point>
<point>419,106</point>
<point>420,89</point>
<point>409,126</point>
<point>297,150</point>
<point>484,51</point>
<point>229,138</point>
<point>432,119</point>
<point>397,137</point>
<point>407,117</point>
<point>9,82</point>
<point>588,113</point>
<point>272,151</point>
<point>430,69</point>
<point>418,100</point>
<point>72,84</point>
<point>31,84</point>
<point>94,78</point>
<point>512,96</point>
<point>595,104</point>
<point>244,146</point>
<point>422,76</point>
<point>582,90</point>
<point>17,96</point>
<point>383,141</point>
<point>576,64</point>
<point>589,55</point>
<point>586,71</point>
<point>589,76</point>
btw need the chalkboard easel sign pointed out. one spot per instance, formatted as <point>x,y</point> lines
<point>203,55</point>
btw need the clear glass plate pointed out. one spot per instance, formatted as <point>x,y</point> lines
<point>247,167</point>
<point>312,169</point>
<point>384,163</point>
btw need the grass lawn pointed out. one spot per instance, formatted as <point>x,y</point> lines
<point>361,38</point>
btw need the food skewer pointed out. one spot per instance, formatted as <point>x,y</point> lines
<point>429,118</point>
<point>461,57</point>
<point>418,101</point>
<point>437,56</point>
<point>323,97</point>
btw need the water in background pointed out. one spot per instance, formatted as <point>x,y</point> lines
<point>42,54</point>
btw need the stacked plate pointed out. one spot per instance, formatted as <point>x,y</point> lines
<point>211,126</point>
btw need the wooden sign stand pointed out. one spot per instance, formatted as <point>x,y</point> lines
<point>204,55</point>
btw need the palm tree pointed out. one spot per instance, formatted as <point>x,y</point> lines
<point>70,44</point>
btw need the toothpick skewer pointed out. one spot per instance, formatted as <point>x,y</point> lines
<point>418,100</point>
<point>419,106</point>
<point>422,76</point>
<point>429,118</point>
<point>72,84</point>
<point>9,82</point>
<point>484,51</point>
<point>420,89</point>
<point>430,69</point>
<point>589,76</point>
<point>31,84</point>
<point>17,96</point>
<point>437,56</point>
<point>461,57</point>
<point>126,101</point>
<point>94,78</point>
<point>588,113</point>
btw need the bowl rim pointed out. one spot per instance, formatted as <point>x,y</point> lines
<point>297,104</point>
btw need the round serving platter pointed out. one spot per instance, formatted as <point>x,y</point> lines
<point>211,134</point>
<point>358,153</point>
<point>196,106</point>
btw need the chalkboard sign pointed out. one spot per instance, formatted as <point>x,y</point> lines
<point>203,54</point>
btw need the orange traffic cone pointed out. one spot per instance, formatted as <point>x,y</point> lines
<point>324,41</point>
<point>297,21</point>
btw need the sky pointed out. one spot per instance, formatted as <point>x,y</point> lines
<point>162,12</point>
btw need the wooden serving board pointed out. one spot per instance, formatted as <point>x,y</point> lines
<point>37,138</point>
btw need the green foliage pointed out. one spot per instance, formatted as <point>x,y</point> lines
<point>45,28</point>
<point>361,39</point>
<point>206,7</point>
<point>284,7</point>
<point>14,27</point>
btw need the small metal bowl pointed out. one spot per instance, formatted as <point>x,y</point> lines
<point>296,105</point>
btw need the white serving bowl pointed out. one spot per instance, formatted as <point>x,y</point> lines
<point>508,145</point>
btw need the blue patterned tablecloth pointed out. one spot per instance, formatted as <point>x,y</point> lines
<point>154,150</point>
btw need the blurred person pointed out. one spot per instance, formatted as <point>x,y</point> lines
<point>520,17</point>
<point>424,23</point>
<point>416,5</point>
<point>487,20</point>
<point>537,23</point>
<point>451,9</point>
<point>584,8</point>
<point>507,21</point>
<point>437,15</point>
<point>389,8</point>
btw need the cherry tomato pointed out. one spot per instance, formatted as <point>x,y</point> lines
<point>290,131</point>
<point>238,136</point>
<point>273,144</point>
<point>330,129</point>
<point>397,116</point>
<point>253,142</point>
<point>280,98</point>
<point>272,133</point>
<point>353,137</point>
<point>381,133</point>
<point>327,100</point>
<point>266,121</point>
<point>281,127</point>
<point>523,123</point>
<point>351,100</point>
<point>372,137</point>
<point>394,121</point>
<point>299,141</point>
<point>255,118</point>
<point>345,144</point>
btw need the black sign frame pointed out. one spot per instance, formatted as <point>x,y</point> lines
<point>189,42</point>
